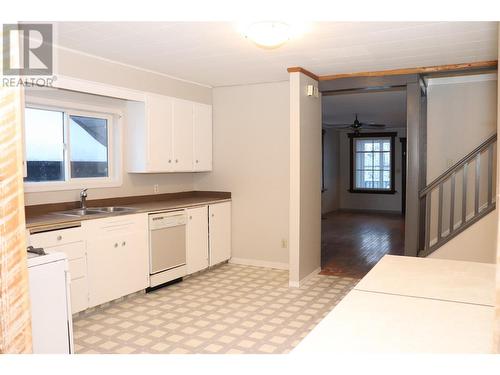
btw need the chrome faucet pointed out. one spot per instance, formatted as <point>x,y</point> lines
<point>83,199</point>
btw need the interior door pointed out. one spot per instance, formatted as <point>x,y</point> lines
<point>182,135</point>
<point>202,137</point>
<point>197,239</point>
<point>220,232</point>
<point>160,133</point>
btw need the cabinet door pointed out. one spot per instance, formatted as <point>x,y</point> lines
<point>202,137</point>
<point>117,266</point>
<point>197,239</point>
<point>182,135</point>
<point>159,122</point>
<point>220,232</point>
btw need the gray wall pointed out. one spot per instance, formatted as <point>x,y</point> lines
<point>305,179</point>
<point>251,159</point>
<point>330,196</point>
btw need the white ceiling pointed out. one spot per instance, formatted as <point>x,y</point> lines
<point>387,107</point>
<point>215,54</point>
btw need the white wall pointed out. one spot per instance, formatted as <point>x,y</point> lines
<point>132,184</point>
<point>377,202</point>
<point>476,244</point>
<point>78,65</point>
<point>251,160</point>
<point>461,113</point>
<point>305,179</point>
<point>330,196</point>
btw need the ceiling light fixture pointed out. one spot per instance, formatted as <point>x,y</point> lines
<point>268,34</point>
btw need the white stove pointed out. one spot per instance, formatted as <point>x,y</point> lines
<point>51,320</point>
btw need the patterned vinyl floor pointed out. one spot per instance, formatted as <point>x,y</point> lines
<point>229,309</point>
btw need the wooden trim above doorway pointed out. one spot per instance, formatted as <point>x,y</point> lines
<point>295,69</point>
<point>492,64</point>
<point>418,70</point>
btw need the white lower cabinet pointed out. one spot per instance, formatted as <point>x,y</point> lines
<point>109,258</point>
<point>197,239</point>
<point>70,242</point>
<point>117,256</point>
<point>219,227</point>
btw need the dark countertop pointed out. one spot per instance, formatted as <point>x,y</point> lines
<point>44,216</point>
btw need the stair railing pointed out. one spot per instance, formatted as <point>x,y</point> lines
<point>443,219</point>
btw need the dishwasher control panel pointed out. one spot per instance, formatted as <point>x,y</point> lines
<point>167,219</point>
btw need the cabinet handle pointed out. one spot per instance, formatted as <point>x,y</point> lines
<point>116,244</point>
<point>196,161</point>
<point>170,160</point>
<point>213,215</point>
<point>59,238</point>
<point>190,218</point>
<point>124,243</point>
<point>176,160</point>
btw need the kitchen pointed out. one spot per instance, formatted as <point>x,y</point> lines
<point>119,246</point>
<point>177,202</point>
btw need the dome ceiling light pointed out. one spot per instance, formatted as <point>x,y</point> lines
<point>269,34</point>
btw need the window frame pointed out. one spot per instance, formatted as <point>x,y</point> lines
<point>113,118</point>
<point>352,166</point>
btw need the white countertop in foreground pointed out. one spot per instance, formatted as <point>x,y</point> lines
<point>449,280</point>
<point>412,305</point>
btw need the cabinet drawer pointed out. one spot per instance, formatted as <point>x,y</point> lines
<point>79,295</point>
<point>73,250</point>
<point>78,268</point>
<point>56,237</point>
<point>116,225</point>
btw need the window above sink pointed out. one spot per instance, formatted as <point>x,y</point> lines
<point>68,149</point>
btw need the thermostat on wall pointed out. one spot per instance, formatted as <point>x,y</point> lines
<point>312,91</point>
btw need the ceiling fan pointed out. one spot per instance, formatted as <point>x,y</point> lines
<point>356,125</point>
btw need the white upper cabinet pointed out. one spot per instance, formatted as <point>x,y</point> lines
<point>159,117</point>
<point>182,135</point>
<point>202,137</point>
<point>167,134</point>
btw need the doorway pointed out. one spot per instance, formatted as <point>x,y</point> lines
<point>364,179</point>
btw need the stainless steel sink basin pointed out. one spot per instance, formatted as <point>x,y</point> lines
<point>97,211</point>
<point>81,212</point>
<point>113,209</point>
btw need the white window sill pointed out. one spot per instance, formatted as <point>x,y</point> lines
<point>34,187</point>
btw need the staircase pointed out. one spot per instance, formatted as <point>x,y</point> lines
<point>458,198</point>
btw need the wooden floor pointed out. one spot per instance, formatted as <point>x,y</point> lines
<point>353,242</point>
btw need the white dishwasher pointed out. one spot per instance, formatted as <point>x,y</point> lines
<point>167,247</point>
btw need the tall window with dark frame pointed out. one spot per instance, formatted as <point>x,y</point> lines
<point>372,163</point>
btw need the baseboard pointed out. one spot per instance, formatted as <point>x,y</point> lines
<point>297,284</point>
<point>259,263</point>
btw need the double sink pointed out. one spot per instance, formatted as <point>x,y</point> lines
<point>97,211</point>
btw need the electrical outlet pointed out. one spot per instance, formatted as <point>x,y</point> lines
<point>156,188</point>
<point>284,243</point>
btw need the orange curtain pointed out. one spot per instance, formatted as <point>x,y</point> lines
<point>15,320</point>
